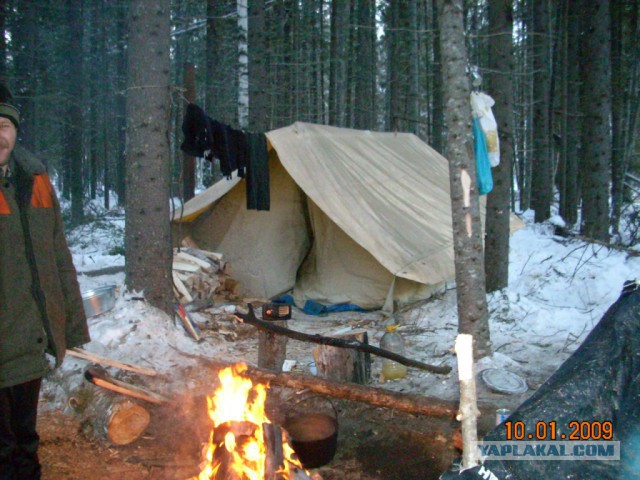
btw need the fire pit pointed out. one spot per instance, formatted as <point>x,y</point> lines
<point>244,444</point>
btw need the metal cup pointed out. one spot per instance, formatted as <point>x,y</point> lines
<point>502,414</point>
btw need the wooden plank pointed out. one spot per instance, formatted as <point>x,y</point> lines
<point>92,357</point>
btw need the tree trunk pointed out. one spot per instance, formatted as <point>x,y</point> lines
<point>243,64</point>
<point>121,104</point>
<point>541,185</point>
<point>147,231</point>
<point>413,89</point>
<point>473,317</point>
<point>189,162</point>
<point>259,117</point>
<point>595,70</point>
<point>365,81</point>
<point>3,40</point>
<point>499,200</point>
<point>437,136</point>
<point>571,147</point>
<point>338,59</point>
<point>625,71</point>
<point>73,91</point>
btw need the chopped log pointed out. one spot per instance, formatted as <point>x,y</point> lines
<point>344,364</point>
<point>422,405</point>
<point>251,319</point>
<point>184,295</point>
<point>118,419</point>
<point>101,378</point>
<point>272,349</point>
<point>193,259</point>
<point>185,267</point>
<point>93,357</point>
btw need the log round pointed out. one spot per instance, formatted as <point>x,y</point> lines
<point>119,419</point>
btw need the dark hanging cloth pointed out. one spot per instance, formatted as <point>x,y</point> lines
<point>257,172</point>
<point>222,147</point>
<point>240,150</point>
<point>235,149</point>
<point>197,130</point>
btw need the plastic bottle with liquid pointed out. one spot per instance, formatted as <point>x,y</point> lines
<point>393,342</point>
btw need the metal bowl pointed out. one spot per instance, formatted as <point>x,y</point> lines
<point>99,300</point>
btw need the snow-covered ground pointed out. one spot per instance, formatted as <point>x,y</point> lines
<point>558,290</point>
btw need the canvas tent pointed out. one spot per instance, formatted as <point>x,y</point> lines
<point>356,217</point>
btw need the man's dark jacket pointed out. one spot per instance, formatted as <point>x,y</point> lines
<point>40,302</point>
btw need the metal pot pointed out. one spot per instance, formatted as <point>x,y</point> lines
<point>314,438</point>
<point>99,300</point>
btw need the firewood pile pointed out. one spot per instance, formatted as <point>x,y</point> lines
<point>202,275</point>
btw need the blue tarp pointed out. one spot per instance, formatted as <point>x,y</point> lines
<point>312,307</point>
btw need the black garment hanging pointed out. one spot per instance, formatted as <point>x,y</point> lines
<point>197,130</point>
<point>258,197</point>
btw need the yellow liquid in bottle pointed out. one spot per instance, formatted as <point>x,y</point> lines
<point>393,370</point>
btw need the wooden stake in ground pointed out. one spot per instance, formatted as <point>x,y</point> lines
<point>272,348</point>
<point>468,413</point>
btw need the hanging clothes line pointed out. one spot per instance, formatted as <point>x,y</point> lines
<point>235,149</point>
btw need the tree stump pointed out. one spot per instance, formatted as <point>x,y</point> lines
<point>344,364</point>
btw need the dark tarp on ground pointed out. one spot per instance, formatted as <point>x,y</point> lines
<point>599,382</point>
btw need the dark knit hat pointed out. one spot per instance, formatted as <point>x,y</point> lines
<point>7,108</point>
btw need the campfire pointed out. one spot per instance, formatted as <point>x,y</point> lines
<point>244,444</point>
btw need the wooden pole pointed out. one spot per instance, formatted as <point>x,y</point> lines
<point>251,319</point>
<point>468,401</point>
<point>428,406</point>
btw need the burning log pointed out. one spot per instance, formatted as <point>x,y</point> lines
<point>118,419</point>
<point>244,443</point>
<point>274,463</point>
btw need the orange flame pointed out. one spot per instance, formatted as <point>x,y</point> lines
<point>239,400</point>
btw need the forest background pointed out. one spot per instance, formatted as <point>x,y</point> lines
<point>102,87</point>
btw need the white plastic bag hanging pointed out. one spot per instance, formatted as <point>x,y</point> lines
<point>481,104</point>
